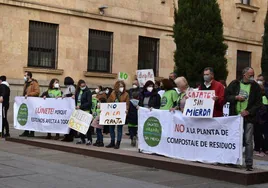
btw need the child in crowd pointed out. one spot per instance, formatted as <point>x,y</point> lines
<point>132,118</point>
<point>95,123</point>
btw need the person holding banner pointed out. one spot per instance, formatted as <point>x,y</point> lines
<point>53,92</point>
<point>170,97</point>
<point>149,97</point>
<point>245,98</point>
<point>211,84</point>
<point>183,87</point>
<point>83,101</point>
<point>118,95</point>
<point>30,89</point>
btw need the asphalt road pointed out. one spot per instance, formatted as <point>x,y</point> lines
<point>23,166</point>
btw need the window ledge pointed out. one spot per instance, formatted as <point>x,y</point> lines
<point>247,8</point>
<point>100,75</point>
<point>44,70</point>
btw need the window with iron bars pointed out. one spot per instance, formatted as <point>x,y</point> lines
<point>42,48</point>
<point>99,51</point>
<point>148,53</point>
<point>246,2</point>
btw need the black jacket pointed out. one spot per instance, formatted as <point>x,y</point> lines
<point>132,116</point>
<point>86,100</point>
<point>154,101</point>
<point>5,93</point>
<point>254,100</point>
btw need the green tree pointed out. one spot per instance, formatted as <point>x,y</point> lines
<point>198,34</point>
<point>264,59</point>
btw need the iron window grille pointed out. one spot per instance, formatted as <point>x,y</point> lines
<point>42,48</point>
<point>99,51</point>
<point>148,53</point>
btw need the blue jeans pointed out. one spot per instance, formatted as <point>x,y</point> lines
<point>119,132</point>
<point>99,135</point>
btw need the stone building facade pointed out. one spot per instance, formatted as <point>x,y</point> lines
<point>95,39</point>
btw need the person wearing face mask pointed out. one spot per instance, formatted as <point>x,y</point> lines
<point>100,93</point>
<point>149,97</point>
<point>83,101</point>
<point>30,89</point>
<point>135,88</point>
<point>170,96</point>
<point>53,92</point>
<point>245,99</point>
<point>211,84</point>
<point>118,95</point>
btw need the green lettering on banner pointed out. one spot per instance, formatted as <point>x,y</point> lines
<point>152,131</point>
<point>22,116</point>
<point>123,76</point>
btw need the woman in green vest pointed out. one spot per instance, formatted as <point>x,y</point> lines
<point>170,97</point>
<point>53,92</point>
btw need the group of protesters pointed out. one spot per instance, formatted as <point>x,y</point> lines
<point>247,97</point>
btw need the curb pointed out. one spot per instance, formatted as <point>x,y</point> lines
<point>233,175</point>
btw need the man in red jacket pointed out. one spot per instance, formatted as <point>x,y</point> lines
<point>211,84</point>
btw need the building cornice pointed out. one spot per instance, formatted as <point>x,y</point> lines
<point>243,41</point>
<point>81,13</point>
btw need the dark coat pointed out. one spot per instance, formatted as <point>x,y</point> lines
<point>254,100</point>
<point>5,93</point>
<point>132,116</point>
<point>86,99</point>
<point>154,101</point>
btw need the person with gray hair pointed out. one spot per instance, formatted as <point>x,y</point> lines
<point>245,99</point>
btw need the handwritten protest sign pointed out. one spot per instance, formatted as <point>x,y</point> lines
<point>122,76</point>
<point>113,113</point>
<point>199,104</point>
<point>80,121</point>
<point>144,75</point>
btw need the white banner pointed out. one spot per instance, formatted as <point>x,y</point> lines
<point>226,109</point>
<point>113,113</point>
<point>199,104</point>
<point>144,75</point>
<point>49,116</point>
<point>80,121</point>
<point>214,140</point>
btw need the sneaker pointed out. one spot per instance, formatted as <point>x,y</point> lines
<point>96,143</point>
<point>101,144</point>
<point>80,142</point>
<point>89,143</point>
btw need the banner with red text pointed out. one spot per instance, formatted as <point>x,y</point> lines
<point>199,104</point>
<point>144,75</point>
<point>43,115</point>
<point>213,140</point>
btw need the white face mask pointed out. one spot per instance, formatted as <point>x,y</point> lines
<point>25,78</point>
<point>83,88</point>
<point>57,85</point>
<point>107,91</point>
<point>97,90</point>
<point>260,82</point>
<point>150,89</point>
<point>121,89</point>
<point>134,86</point>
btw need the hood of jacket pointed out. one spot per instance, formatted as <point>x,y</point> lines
<point>5,83</point>
<point>135,102</point>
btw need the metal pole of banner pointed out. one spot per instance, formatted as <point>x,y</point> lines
<point>3,116</point>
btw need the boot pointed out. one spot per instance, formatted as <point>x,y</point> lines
<point>31,134</point>
<point>67,138</point>
<point>111,145</point>
<point>96,143</point>
<point>117,146</point>
<point>57,137</point>
<point>25,134</point>
<point>101,144</point>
